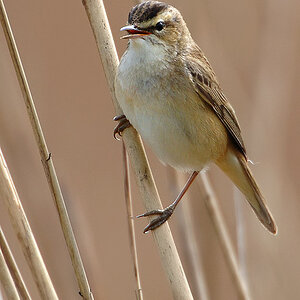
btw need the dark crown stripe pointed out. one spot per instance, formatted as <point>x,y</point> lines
<point>145,11</point>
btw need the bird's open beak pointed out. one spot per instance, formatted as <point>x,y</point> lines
<point>133,32</point>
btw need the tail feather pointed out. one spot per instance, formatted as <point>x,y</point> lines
<point>236,167</point>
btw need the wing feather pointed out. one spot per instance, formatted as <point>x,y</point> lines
<point>208,89</point>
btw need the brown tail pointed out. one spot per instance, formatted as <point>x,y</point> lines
<point>235,166</point>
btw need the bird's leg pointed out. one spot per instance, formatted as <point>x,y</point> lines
<point>123,124</point>
<point>165,214</point>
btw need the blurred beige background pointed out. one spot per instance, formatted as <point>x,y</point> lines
<point>254,48</point>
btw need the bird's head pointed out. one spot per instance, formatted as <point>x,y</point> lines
<point>157,23</point>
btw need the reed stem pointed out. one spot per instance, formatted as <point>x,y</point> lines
<point>132,239</point>
<point>13,268</point>
<point>7,280</point>
<point>23,231</point>
<point>47,160</point>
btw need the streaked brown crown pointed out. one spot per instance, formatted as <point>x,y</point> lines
<point>146,11</point>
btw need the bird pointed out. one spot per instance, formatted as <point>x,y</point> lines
<point>170,94</point>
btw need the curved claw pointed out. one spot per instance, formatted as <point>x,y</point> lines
<point>123,124</point>
<point>116,133</point>
<point>164,215</point>
<point>151,213</point>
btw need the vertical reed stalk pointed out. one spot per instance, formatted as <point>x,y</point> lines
<point>169,257</point>
<point>188,238</point>
<point>23,231</point>
<point>7,280</point>
<point>13,268</point>
<point>46,159</point>
<point>132,240</point>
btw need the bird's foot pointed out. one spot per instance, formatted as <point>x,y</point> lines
<point>123,124</point>
<point>163,216</point>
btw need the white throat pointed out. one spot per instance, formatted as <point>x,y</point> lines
<point>143,53</point>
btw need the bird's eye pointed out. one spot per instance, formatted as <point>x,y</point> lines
<point>160,26</point>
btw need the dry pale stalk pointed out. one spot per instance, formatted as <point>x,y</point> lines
<point>169,257</point>
<point>132,240</point>
<point>223,237</point>
<point>188,238</point>
<point>13,268</point>
<point>7,281</point>
<point>8,194</point>
<point>46,159</point>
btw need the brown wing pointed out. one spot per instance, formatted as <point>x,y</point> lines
<point>208,89</point>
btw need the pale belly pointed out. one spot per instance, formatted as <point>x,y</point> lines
<point>183,134</point>
<point>169,140</point>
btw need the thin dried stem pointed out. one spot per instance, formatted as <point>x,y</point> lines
<point>7,280</point>
<point>223,236</point>
<point>133,249</point>
<point>13,268</point>
<point>188,237</point>
<point>169,257</point>
<point>23,231</point>
<point>46,159</point>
